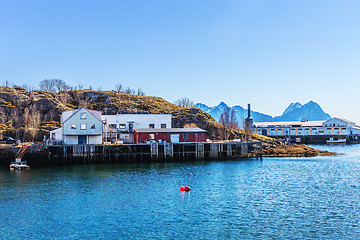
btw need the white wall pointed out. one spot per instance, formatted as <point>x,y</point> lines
<point>71,139</point>
<point>337,123</point>
<point>138,120</point>
<point>94,139</point>
<point>57,134</point>
<point>355,131</point>
<point>300,131</point>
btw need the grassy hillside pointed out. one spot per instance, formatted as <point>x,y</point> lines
<point>34,114</point>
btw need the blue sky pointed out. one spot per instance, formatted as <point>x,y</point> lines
<point>268,53</point>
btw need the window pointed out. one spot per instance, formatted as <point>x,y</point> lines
<point>151,125</point>
<point>122,126</point>
<point>343,128</point>
<point>83,126</point>
<point>272,129</point>
<point>321,131</point>
<point>314,129</point>
<point>92,126</point>
<point>152,136</point>
<point>328,129</point>
<point>163,125</point>
<point>279,129</point>
<point>73,126</point>
<point>82,115</point>
<point>185,135</point>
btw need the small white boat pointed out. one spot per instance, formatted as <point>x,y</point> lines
<point>338,141</point>
<point>19,166</point>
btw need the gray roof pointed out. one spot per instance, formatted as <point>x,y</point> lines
<point>169,130</point>
<point>343,119</point>
<point>290,124</point>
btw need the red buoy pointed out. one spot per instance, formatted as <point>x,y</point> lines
<point>187,189</point>
<point>182,189</point>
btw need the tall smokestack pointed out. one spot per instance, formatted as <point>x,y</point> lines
<point>249,110</point>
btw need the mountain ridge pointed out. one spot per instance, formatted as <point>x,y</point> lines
<point>311,111</point>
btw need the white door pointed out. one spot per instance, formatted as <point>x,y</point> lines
<point>175,138</point>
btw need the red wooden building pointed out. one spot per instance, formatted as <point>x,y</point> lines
<point>174,135</point>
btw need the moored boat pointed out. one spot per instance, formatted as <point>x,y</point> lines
<point>22,165</point>
<point>338,141</point>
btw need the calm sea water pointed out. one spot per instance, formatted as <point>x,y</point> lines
<point>279,198</point>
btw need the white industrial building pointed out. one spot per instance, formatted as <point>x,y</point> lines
<point>120,127</point>
<point>129,122</point>
<point>81,126</point>
<point>332,127</point>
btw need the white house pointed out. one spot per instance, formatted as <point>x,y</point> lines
<point>81,126</point>
<point>120,127</point>
<point>129,122</point>
<point>332,127</point>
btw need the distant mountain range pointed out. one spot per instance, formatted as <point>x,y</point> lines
<point>295,112</point>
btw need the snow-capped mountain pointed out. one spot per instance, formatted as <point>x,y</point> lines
<point>292,107</point>
<point>295,112</point>
<point>240,112</point>
<point>310,111</point>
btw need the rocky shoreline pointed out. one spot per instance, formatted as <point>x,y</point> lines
<point>293,150</point>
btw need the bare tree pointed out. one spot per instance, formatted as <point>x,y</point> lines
<point>86,103</point>
<point>119,87</point>
<point>7,83</point>
<point>228,122</point>
<point>79,87</point>
<point>184,102</point>
<point>64,98</point>
<point>2,116</point>
<point>140,92</point>
<point>129,91</point>
<point>61,85</point>
<point>224,120</point>
<point>27,87</point>
<point>247,130</point>
<point>34,123</point>
<point>48,85</point>
<point>50,115</point>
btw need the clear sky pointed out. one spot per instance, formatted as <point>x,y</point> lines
<point>268,53</point>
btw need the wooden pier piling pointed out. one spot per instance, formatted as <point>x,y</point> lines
<point>128,153</point>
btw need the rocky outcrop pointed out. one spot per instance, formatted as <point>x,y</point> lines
<point>292,150</point>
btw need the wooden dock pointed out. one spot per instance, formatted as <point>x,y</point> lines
<point>137,153</point>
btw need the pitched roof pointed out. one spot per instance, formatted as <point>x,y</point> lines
<point>169,130</point>
<point>343,119</point>
<point>92,112</point>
